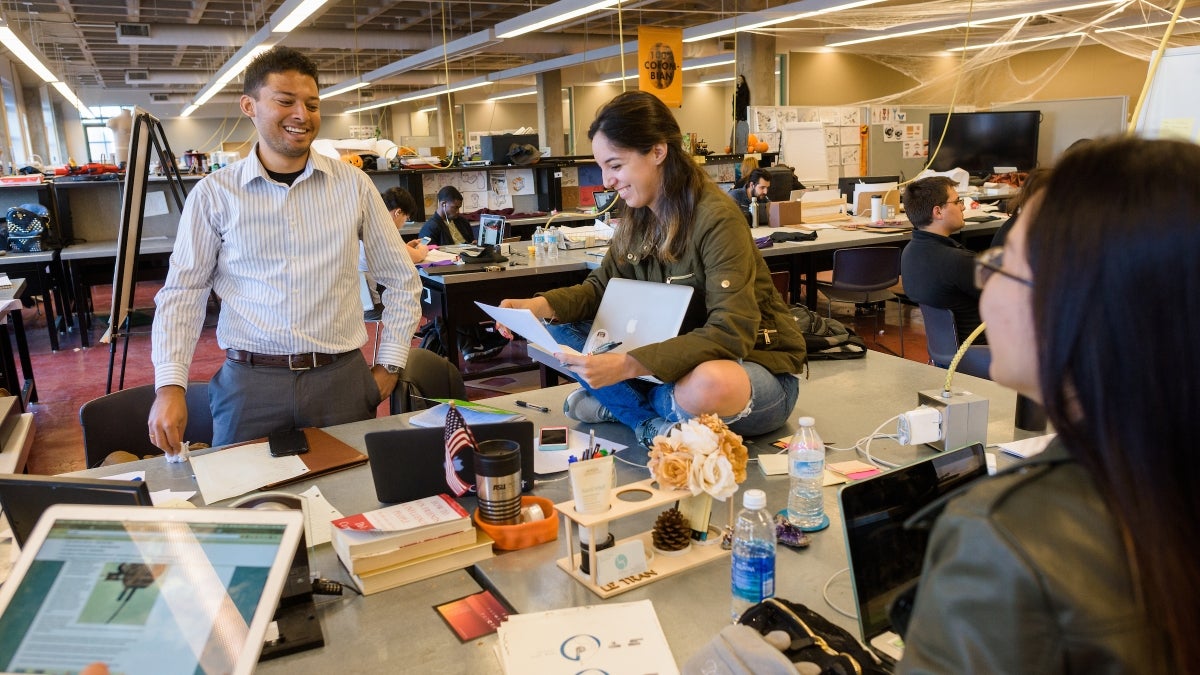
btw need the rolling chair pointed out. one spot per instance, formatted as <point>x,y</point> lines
<point>864,276</point>
<point>426,376</point>
<point>942,341</point>
<point>117,421</point>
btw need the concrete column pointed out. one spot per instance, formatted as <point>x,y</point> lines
<point>445,129</point>
<point>756,60</point>
<point>550,112</point>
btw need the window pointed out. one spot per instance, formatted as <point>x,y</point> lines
<point>100,145</point>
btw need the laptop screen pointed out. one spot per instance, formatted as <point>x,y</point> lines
<point>491,229</point>
<point>884,556</point>
<point>146,590</point>
<point>603,199</point>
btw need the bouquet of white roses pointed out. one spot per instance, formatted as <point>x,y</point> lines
<point>700,455</point>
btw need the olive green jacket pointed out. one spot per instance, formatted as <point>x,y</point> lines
<point>735,311</point>
<point>1026,572</point>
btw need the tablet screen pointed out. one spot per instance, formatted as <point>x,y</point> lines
<point>143,597</point>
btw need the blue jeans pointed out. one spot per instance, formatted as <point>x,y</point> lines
<point>648,408</point>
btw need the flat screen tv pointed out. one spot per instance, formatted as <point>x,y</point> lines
<point>981,141</point>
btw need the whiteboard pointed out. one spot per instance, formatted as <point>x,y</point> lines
<point>1065,121</point>
<point>1173,100</point>
<point>803,147</point>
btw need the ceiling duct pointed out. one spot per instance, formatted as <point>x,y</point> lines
<point>133,32</point>
<point>137,76</point>
<point>160,97</point>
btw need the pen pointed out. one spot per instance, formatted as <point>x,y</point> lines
<point>531,406</point>
<point>606,347</point>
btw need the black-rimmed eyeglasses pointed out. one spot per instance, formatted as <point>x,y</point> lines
<point>992,260</point>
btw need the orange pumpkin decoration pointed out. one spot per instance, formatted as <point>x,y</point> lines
<point>752,140</point>
<point>761,146</point>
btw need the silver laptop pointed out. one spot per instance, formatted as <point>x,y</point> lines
<point>146,591</point>
<point>637,313</point>
<point>885,558</point>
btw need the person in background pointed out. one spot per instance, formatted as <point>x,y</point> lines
<point>743,170</point>
<point>757,184</point>
<point>1081,559</point>
<point>937,270</point>
<point>446,226</point>
<point>400,205</point>
<point>1034,180</point>
<point>738,351</point>
<point>275,236</point>
<point>741,110</point>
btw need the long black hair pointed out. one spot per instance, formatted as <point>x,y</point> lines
<point>1115,253</point>
<point>636,120</point>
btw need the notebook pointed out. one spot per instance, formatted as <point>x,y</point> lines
<point>637,313</point>
<point>146,591</point>
<point>884,557</point>
<point>407,464</point>
<point>24,498</point>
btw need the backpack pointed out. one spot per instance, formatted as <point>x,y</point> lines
<point>827,338</point>
<point>475,342</point>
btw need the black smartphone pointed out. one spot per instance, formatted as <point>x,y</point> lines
<point>288,442</point>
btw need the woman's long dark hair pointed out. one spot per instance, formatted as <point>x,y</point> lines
<point>1115,253</point>
<point>636,120</point>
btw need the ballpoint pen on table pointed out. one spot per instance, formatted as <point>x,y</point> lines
<point>606,347</point>
<point>531,406</point>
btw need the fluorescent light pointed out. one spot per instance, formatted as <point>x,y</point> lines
<point>25,54</point>
<point>889,34</point>
<point>189,110</point>
<point>432,108</point>
<point>294,12</point>
<point>515,94</point>
<point>1005,43</point>
<point>1144,25</point>
<point>721,78</point>
<point>341,90</point>
<point>70,96</point>
<point>438,91</point>
<point>708,62</point>
<point>235,70</point>
<point>561,11</point>
<point>617,77</point>
<point>769,17</point>
<point>369,106</point>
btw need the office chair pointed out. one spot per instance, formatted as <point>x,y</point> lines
<point>864,276</point>
<point>426,376</point>
<point>942,342</point>
<point>117,421</point>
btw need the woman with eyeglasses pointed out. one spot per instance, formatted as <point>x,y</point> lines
<point>1080,558</point>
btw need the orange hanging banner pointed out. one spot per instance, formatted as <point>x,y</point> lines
<point>660,55</point>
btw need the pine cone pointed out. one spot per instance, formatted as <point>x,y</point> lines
<point>671,532</point>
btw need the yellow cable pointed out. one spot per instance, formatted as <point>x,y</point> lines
<point>1162,47</point>
<point>961,352</point>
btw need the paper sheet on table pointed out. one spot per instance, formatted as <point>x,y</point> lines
<point>131,475</point>
<point>1027,447</point>
<point>243,468</point>
<point>528,326</point>
<point>438,255</point>
<point>320,513</point>
<point>553,461</point>
<point>162,497</point>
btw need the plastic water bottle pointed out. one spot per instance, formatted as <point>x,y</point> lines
<point>806,467</point>
<point>753,575</point>
<point>552,241</point>
<point>754,212</point>
<point>539,237</point>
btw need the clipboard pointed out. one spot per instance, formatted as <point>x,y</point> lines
<point>326,454</point>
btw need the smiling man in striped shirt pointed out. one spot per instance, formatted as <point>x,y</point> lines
<point>276,236</point>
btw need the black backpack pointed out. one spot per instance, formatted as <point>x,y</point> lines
<point>827,338</point>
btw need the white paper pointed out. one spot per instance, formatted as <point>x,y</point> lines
<point>553,461</point>
<point>132,475</point>
<point>528,326</point>
<point>320,512</point>
<point>244,468</point>
<point>164,497</point>
<point>1027,447</point>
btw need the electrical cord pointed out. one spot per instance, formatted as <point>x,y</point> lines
<point>863,445</point>
<point>825,594</point>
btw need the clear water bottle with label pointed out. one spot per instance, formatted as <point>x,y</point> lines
<point>806,468</point>
<point>753,567</point>
<point>552,242</point>
<point>539,236</point>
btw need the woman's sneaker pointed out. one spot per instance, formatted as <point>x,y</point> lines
<point>582,406</point>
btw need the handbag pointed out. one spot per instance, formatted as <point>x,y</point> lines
<point>814,639</point>
<point>26,225</point>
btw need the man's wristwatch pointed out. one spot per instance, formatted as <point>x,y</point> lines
<point>393,370</point>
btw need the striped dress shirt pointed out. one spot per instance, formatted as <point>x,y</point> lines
<point>284,261</point>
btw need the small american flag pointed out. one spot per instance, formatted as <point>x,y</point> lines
<point>458,438</point>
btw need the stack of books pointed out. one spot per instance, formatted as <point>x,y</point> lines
<point>408,542</point>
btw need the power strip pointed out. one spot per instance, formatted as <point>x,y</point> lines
<point>964,417</point>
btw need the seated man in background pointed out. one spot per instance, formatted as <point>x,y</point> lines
<point>756,186</point>
<point>937,270</point>
<point>400,205</point>
<point>446,226</point>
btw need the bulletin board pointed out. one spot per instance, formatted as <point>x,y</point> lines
<point>839,151</point>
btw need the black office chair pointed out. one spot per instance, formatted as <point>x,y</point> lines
<point>864,276</point>
<point>117,421</point>
<point>426,376</point>
<point>941,339</point>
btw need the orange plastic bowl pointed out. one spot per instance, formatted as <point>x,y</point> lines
<point>524,535</point>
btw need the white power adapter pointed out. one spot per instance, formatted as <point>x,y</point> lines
<point>919,426</point>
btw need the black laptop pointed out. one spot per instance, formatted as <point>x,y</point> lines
<point>24,498</point>
<point>884,556</point>
<point>407,464</point>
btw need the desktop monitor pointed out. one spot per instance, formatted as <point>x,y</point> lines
<point>982,141</point>
<point>846,184</point>
<point>780,189</point>
<point>492,229</point>
<point>25,497</point>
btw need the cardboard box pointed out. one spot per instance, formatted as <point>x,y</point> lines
<point>780,214</point>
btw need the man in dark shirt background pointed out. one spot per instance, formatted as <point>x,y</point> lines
<point>756,185</point>
<point>937,270</point>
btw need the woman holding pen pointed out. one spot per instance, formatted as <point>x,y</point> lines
<point>738,352</point>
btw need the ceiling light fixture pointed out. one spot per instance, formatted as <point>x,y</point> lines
<point>230,72</point>
<point>559,12</point>
<point>515,94</point>
<point>617,77</point>
<point>1005,43</point>
<point>719,78</point>
<point>432,108</point>
<point>35,62</point>
<point>369,106</point>
<point>888,34</point>
<point>769,17</point>
<point>342,89</point>
<point>293,13</point>
<point>438,91</point>
<point>192,107</point>
<point>708,62</point>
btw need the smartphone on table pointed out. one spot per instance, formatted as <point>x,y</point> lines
<point>287,442</point>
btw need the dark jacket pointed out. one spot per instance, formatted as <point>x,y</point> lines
<point>742,199</point>
<point>438,230</point>
<point>735,312</point>
<point>1026,572</point>
<point>939,271</point>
